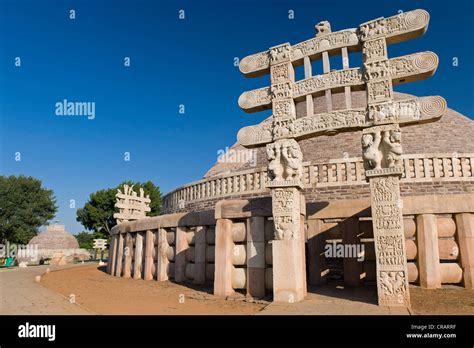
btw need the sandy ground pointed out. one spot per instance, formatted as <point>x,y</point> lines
<point>20,294</point>
<point>448,300</point>
<point>104,294</point>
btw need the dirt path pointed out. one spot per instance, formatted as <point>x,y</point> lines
<point>101,293</point>
<point>104,294</point>
<point>20,294</point>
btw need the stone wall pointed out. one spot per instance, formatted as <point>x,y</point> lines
<point>229,246</point>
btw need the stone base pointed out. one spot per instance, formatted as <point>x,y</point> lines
<point>289,270</point>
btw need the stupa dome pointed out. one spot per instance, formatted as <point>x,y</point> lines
<point>437,155</point>
<point>55,237</point>
<point>453,133</point>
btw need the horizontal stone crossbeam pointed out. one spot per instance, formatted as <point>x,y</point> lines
<point>404,112</point>
<point>401,27</point>
<point>403,69</point>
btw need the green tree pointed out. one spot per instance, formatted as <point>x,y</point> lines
<point>97,215</point>
<point>24,206</point>
<point>85,240</point>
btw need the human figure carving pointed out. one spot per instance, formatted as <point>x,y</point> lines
<point>393,147</point>
<point>284,228</point>
<point>293,158</point>
<point>275,166</point>
<point>370,151</point>
<point>392,282</point>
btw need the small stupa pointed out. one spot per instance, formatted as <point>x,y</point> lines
<point>55,237</point>
<point>58,245</point>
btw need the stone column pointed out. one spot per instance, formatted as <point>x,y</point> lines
<point>149,245</point>
<point>119,263</point>
<point>289,280</point>
<point>347,89</point>
<point>316,243</point>
<point>465,228</point>
<point>327,92</point>
<point>180,258</point>
<point>200,255</point>
<point>381,151</point>
<point>223,258</point>
<point>137,264</point>
<point>389,238</point>
<point>162,258</point>
<point>112,254</point>
<point>127,266</point>
<point>308,73</point>
<point>289,262</point>
<point>428,251</point>
<point>352,267</point>
<point>256,256</point>
<point>285,171</point>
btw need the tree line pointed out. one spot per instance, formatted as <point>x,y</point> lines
<point>25,206</point>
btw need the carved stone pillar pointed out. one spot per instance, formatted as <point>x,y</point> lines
<point>289,270</point>
<point>382,149</point>
<point>389,240</point>
<point>285,172</point>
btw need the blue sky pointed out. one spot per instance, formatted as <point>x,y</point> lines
<point>173,62</point>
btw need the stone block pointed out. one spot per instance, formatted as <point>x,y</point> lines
<point>137,269</point>
<point>289,271</point>
<point>223,258</point>
<point>428,251</point>
<point>180,257</point>
<point>465,228</point>
<point>149,247</point>
<point>200,255</point>
<point>162,256</point>
<point>451,273</point>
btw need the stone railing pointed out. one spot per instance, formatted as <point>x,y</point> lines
<point>229,246</point>
<point>337,172</point>
<point>178,247</point>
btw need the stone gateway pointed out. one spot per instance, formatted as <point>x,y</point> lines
<point>343,161</point>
